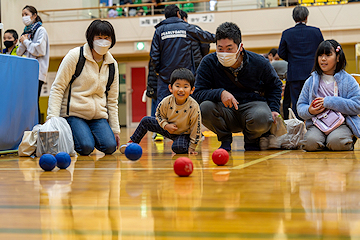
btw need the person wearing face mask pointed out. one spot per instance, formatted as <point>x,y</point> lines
<point>10,41</point>
<point>88,106</point>
<point>34,43</point>
<point>238,90</point>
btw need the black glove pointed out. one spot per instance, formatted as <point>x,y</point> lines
<point>151,93</point>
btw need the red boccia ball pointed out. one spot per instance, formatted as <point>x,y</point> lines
<point>183,166</point>
<point>220,157</point>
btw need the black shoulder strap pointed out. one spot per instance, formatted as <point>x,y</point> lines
<point>235,81</point>
<point>79,67</point>
<point>111,78</point>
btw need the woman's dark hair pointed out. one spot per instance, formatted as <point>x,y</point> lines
<point>326,47</point>
<point>100,28</point>
<point>13,33</point>
<point>33,11</point>
<point>182,73</point>
<point>228,30</point>
<point>300,13</point>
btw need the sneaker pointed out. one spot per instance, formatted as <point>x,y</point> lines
<point>158,137</point>
<point>226,146</point>
<point>269,142</point>
<point>263,143</point>
<point>123,147</point>
<point>273,142</point>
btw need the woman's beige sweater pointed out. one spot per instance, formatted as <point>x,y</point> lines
<point>88,99</point>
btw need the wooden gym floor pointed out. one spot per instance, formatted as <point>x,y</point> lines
<point>277,194</point>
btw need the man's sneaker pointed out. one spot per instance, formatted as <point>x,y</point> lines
<point>158,137</point>
<point>123,147</point>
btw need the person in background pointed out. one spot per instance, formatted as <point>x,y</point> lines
<point>330,87</point>
<point>298,45</point>
<point>280,67</point>
<point>140,12</point>
<point>158,9</point>
<point>112,13</point>
<point>171,47</point>
<point>88,106</point>
<point>10,40</point>
<point>131,11</point>
<point>198,49</point>
<point>34,43</point>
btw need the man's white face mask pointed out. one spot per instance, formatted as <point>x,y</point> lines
<point>228,59</point>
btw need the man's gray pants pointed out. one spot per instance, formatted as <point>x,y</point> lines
<point>253,119</point>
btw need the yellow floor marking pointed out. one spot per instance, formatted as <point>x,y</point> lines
<point>260,160</point>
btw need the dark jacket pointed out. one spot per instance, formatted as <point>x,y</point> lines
<point>257,76</point>
<point>151,83</point>
<point>171,46</point>
<point>298,46</point>
<point>199,50</point>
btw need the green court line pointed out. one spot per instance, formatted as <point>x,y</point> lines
<point>216,235</point>
<point>8,151</point>
<point>260,160</point>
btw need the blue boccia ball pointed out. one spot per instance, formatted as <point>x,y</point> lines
<point>47,162</point>
<point>133,151</point>
<point>63,160</point>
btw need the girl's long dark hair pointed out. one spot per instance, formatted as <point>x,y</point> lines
<point>326,47</point>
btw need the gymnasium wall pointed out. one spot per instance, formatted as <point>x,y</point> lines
<point>261,28</point>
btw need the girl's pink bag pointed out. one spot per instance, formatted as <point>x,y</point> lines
<point>328,120</point>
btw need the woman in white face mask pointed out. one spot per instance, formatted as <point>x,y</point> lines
<point>34,43</point>
<point>89,102</point>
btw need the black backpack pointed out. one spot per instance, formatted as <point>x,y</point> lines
<point>79,67</point>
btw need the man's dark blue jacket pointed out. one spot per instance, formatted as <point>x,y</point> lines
<point>298,46</point>
<point>257,76</point>
<point>171,46</point>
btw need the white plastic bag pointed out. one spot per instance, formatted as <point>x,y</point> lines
<point>295,132</point>
<point>55,136</point>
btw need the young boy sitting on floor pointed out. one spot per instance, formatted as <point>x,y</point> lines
<point>177,116</point>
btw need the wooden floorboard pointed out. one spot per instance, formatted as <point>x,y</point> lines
<point>278,194</point>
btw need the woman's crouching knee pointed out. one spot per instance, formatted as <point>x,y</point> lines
<point>312,144</point>
<point>340,144</point>
<point>84,150</point>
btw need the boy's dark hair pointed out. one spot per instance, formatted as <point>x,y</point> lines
<point>33,11</point>
<point>171,11</point>
<point>100,28</point>
<point>183,15</point>
<point>273,51</point>
<point>326,47</point>
<point>300,13</point>
<point>228,30</point>
<point>13,33</point>
<point>182,73</point>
